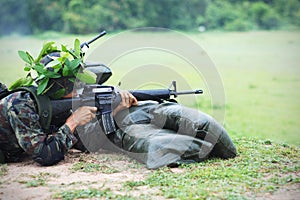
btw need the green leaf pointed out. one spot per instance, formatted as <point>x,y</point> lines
<point>77,47</point>
<point>64,48</point>
<point>64,56</point>
<point>71,67</point>
<point>67,63</point>
<point>30,58</point>
<point>51,74</point>
<point>28,81</point>
<point>72,53</point>
<point>72,79</point>
<point>27,68</point>
<point>58,94</point>
<point>24,56</point>
<point>46,72</point>
<point>48,88</point>
<point>21,82</point>
<point>42,85</point>
<point>46,48</point>
<point>74,64</point>
<point>39,68</point>
<point>66,71</point>
<point>40,77</point>
<point>57,68</point>
<point>16,84</point>
<point>87,76</point>
<point>54,64</point>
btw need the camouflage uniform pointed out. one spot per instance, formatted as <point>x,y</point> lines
<point>158,135</point>
<point>169,134</point>
<point>164,134</point>
<point>20,131</point>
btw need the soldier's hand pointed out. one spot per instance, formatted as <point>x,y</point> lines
<point>127,100</point>
<point>81,116</point>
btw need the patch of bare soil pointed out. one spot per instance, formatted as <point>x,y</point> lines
<point>29,181</point>
<point>286,193</point>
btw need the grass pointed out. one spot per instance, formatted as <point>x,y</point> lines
<point>3,169</point>
<point>37,180</point>
<point>259,73</point>
<point>262,166</point>
<point>243,177</point>
<point>93,167</point>
<point>260,76</point>
<point>91,193</point>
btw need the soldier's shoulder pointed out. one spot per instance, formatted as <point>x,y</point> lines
<point>20,99</point>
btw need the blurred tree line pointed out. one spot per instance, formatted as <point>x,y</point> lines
<point>81,16</point>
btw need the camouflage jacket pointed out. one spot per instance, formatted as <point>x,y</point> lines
<point>20,131</point>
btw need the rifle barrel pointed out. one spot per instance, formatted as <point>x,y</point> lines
<point>186,92</point>
<point>97,37</point>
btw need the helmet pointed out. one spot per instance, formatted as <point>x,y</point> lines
<point>55,70</point>
<point>60,86</point>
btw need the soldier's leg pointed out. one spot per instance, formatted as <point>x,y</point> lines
<point>157,147</point>
<point>197,124</point>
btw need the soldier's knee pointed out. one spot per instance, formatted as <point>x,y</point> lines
<point>224,146</point>
<point>218,136</point>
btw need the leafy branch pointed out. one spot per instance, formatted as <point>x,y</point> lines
<point>69,64</point>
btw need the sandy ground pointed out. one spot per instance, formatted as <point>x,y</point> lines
<point>18,182</point>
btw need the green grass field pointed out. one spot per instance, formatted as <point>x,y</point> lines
<point>260,76</point>
<point>259,70</point>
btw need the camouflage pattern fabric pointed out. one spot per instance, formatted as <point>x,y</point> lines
<point>169,134</point>
<point>20,130</point>
<point>158,135</point>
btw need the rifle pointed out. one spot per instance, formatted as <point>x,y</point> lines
<point>160,95</point>
<point>105,98</point>
<point>85,46</point>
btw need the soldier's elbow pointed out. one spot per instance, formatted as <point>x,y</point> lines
<point>49,153</point>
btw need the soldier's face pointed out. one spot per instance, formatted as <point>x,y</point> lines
<point>71,94</point>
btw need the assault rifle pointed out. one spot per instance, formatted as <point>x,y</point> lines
<point>105,98</point>
<point>160,95</point>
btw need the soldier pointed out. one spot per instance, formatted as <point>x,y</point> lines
<point>21,132</point>
<point>165,134</point>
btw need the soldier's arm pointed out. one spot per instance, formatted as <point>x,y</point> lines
<point>46,150</point>
<point>81,116</point>
<point>127,100</point>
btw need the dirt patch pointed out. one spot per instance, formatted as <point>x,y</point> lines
<point>28,180</point>
<point>286,193</point>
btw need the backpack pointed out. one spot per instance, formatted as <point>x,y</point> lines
<point>42,101</point>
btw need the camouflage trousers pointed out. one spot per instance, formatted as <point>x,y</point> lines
<point>169,134</point>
